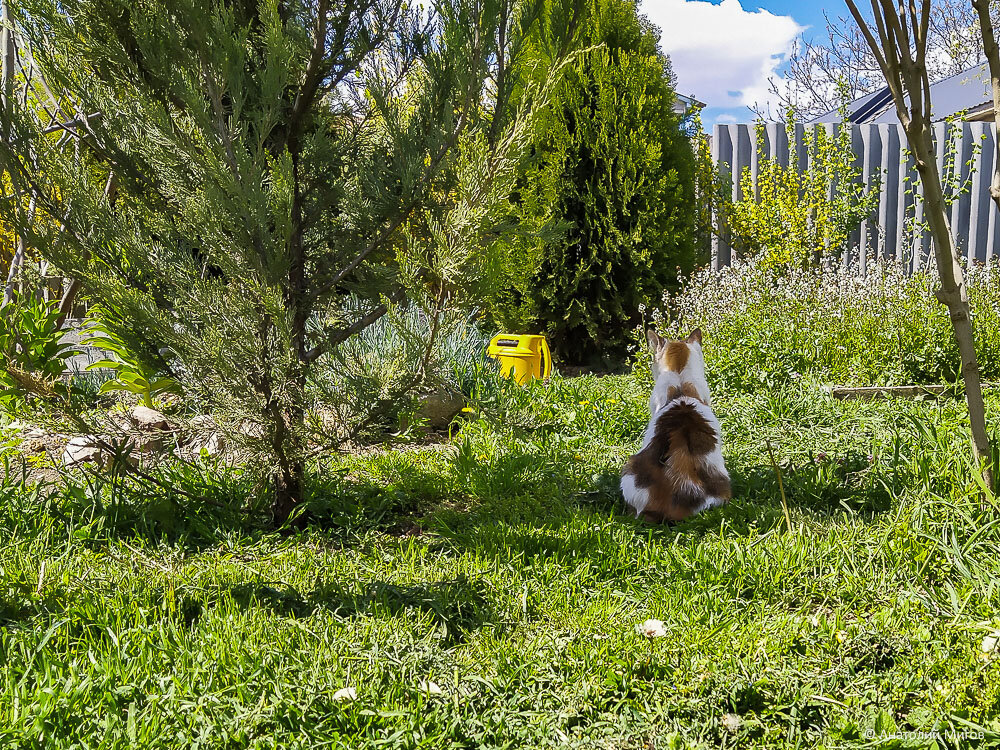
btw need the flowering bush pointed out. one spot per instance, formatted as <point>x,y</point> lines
<point>791,214</point>
<point>765,325</point>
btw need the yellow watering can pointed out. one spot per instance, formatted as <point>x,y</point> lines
<point>522,357</point>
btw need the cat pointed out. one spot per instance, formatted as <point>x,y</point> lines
<point>680,470</point>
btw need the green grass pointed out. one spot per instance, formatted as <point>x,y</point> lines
<point>500,566</point>
<point>765,326</point>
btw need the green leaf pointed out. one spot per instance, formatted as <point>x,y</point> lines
<point>109,364</point>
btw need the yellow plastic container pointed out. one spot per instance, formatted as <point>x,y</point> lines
<point>522,357</point>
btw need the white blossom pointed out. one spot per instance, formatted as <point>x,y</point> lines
<point>989,643</point>
<point>651,629</point>
<point>731,722</point>
<point>346,694</point>
<point>429,687</point>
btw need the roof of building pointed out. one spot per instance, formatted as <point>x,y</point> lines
<point>684,104</point>
<point>969,92</point>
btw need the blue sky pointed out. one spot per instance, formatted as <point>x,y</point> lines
<point>724,51</point>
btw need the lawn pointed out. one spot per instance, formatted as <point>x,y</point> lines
<point>483,590</point>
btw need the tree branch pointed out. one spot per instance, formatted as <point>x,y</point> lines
<point>340,336</point>
<point>314,73</point>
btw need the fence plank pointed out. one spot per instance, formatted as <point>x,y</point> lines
<point>987,156</point>
<point>722,156</point>
<point>894,230</point>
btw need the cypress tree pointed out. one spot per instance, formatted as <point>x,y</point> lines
<point>615,169</point>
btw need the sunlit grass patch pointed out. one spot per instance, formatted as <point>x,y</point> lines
<point>500,567</point>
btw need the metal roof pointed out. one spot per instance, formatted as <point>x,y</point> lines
<point>684,104</point>
<point>966,92</point>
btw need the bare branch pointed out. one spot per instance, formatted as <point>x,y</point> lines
<point>340,336</point>
<point>822,70</point>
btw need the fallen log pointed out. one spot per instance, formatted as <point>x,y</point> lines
<point>889,391</point>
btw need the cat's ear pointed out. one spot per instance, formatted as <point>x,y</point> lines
<point>695,337</point>
<point>655,342</point>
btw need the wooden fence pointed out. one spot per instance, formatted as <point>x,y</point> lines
<point>895,229</point>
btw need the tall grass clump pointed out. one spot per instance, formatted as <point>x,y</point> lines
<point>447,348</point>
<point>409,349</point>
<point>767,325</point>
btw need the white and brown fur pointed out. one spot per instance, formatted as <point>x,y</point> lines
<point>679,471</point>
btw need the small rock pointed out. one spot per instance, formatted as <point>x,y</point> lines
<point>147,443</point>
<point>33,445</point>
<point>211,445</point>
<point>24,430</point>
<point>206,438</point>
<point>119,422</point>
<point>149,419</point>
<point>215,444</point>
<point>81,450</point>
<point>440,408</point>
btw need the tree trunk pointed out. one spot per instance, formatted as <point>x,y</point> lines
<point>953,292</point>
<point>6,114</point>
<point>291,428</point>
<point>17,262</point>
<point>68,300</point>
<point>288,447</point>
<point>288,491</point>
<point>12,273</point>
<point>6,70</point>
<point>899,44</point>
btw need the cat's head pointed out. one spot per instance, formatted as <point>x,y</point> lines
<point>683,356</point>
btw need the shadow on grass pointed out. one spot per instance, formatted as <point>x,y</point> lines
<point>573,530</point>
<point>455,494</point>
<point>518,509</point>
<point>820,487</point>
<point>457,606</point>
<point>188,507</point>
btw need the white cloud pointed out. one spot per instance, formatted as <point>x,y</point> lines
<point>722,54</point>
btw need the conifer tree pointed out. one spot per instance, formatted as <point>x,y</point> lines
<point>251,183</point>
<point>615,169</point>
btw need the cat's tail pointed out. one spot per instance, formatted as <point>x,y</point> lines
<point>684,426</point>
<point>682,430</point>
